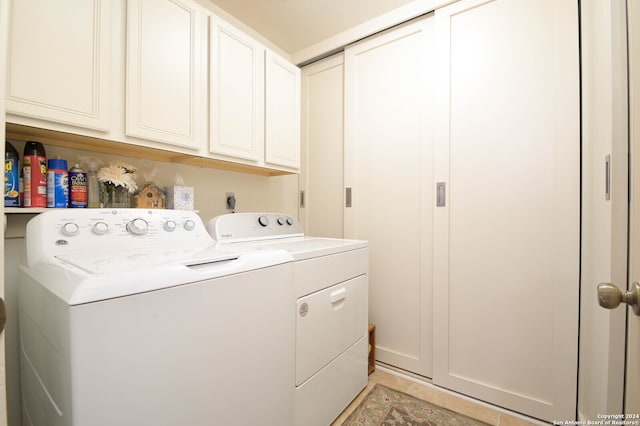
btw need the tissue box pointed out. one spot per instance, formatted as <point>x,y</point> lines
<point>180,197</point>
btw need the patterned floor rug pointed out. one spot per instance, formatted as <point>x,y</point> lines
<point>384,406</point>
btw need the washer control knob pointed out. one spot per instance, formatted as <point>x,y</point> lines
<point>263,220</point>
<point>189,225</point>
<point>69,229</point>
<point>281,221</point>
<point>170,226</point>
<point>100,228</point>
<point>289,221</point>
<point>138,226</point>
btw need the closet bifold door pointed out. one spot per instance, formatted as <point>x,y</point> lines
<point>507,240</point>
<point>388,143</point>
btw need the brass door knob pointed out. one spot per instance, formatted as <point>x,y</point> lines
<point>610,296</point>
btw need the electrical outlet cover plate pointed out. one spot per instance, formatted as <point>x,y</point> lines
<point>230,199</point>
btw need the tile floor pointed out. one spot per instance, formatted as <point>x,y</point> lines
<point>428,392</point>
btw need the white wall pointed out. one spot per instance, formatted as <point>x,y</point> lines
<point>210,4</point>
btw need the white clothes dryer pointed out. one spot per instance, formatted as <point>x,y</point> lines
<point>331,308</point>
<point>136,317</point>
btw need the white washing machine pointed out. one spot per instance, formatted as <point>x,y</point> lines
<point>136,317</point>
<point>331,289</point>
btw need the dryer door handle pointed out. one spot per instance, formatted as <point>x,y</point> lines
<point>338,295</point>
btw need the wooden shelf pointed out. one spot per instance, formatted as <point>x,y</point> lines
<point>88,143</point>
<point>24,210</point>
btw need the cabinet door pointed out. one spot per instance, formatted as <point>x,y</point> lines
<point>166,77</point>
<point>507,243</point>
<point>237,93</point>
<point>282,138</point>
<point>322,168</point>
<point>388,165</point>
<point>58,61</point>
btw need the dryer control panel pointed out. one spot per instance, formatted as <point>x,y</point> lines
<point>238,227</point>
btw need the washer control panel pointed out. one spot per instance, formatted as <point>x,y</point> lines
<point>62,230</point>
<point>238,227</point>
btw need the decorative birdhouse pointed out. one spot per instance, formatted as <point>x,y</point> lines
<point>150,197</point>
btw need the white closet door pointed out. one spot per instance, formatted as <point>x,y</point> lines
<point>322,169</point>
<point>388,144</point>
<point>507,243</point>
<point>605,127</point>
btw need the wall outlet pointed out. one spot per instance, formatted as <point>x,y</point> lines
<point>230,200</point>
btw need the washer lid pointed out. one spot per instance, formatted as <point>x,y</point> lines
<point>87,280</point>
<point>120,262</point>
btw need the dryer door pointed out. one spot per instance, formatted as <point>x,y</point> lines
<point>329,322</point>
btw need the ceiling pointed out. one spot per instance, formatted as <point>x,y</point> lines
<point>296,24</point>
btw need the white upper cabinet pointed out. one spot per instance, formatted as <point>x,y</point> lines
<point>166,72</point>
<point>237,93</point>
<point>162,74</point>
<point>57,71</point>
<point>254,100</point>
<point>282,138</point>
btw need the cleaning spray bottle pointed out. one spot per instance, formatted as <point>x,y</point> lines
<point>93,189</point>
<point>34,169</point>
<point>11,176</point>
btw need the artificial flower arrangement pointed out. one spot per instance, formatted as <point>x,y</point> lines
<point>117,182</point>
<point>119,173</point>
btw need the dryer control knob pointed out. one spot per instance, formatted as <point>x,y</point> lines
<point>100,228</point>
<point>263,221</point>
<point>189,225</point>
<point>138,227</point>
<point>169,226</point>
<point>289,221</point>
<point>281,221</point>
<point>70,229</point>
